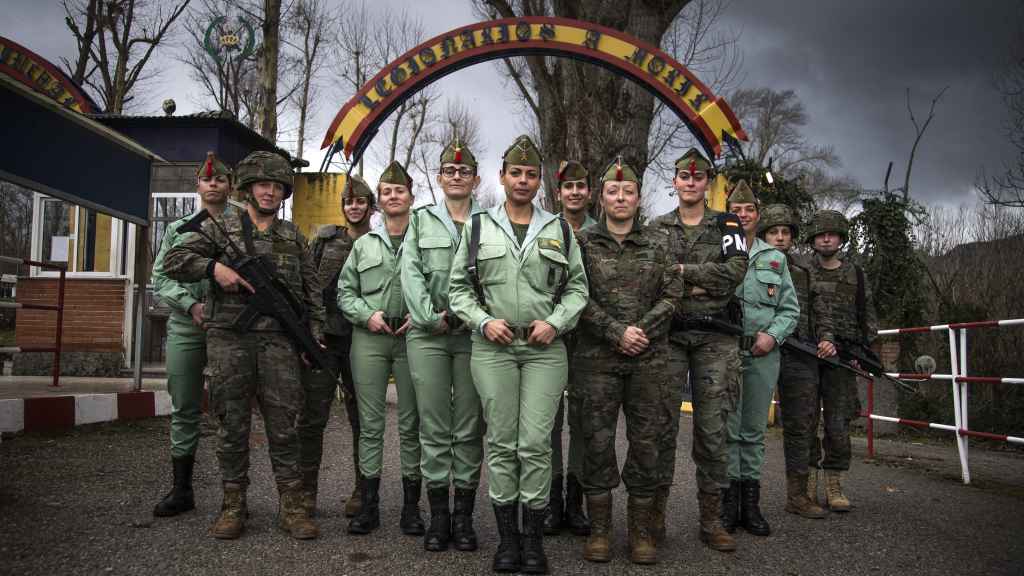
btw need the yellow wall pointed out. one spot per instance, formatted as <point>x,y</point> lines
<point>317,201</point>
<point>717,193</point>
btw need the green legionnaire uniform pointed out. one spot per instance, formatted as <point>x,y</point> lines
<point>633,282</point>
<point>329,250</point>
<point>451,423</point>
<point>798,374</point>
<point>370,282</point>
<point>714,256</point>
<point>260,364</point>
<point>535,274</point>
<point>186,359</point>
<point>848,293</point>
<point>770,306</point>
<point>568,513</point>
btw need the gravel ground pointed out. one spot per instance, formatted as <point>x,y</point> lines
<point>80,502</point>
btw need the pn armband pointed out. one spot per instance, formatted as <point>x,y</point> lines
<point>210,267</point>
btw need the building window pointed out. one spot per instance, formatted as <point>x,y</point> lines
<point>87,242</point>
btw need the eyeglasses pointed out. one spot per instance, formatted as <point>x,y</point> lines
<point>684,175</point>
<point>451,171</point>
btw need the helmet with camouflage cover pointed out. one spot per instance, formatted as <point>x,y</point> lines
<point>778,215</point>
<point>264,166</point>
<point>828,221</point>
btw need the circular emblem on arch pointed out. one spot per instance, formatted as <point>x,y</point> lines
<point>707,116</point>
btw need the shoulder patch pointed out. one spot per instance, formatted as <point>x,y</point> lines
<point>327,231</point>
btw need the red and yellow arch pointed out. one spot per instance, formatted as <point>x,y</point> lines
<point>707,116</point>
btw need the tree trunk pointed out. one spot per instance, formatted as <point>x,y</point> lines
<point>268,72</point>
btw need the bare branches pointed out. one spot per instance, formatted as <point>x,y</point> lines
<point>919,130</point>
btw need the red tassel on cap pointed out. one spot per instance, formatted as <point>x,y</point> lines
<point>209,164</point>
<point>618,169</point>
<point>693,167</point>
<point>458,155</point>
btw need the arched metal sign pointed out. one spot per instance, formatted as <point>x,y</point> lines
<point>707,116</point>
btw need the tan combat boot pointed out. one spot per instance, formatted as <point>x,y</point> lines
<point>711,531</point>
<point>812,486</point>
<point>796,497</point>
<point>310,480</point>
<point>354,504</point>
<point>642,549</point>
<point>292,515</point>
<point>837,501</point>
<point>599,545</point>
<point>233,511</point>
<point>658,514</point>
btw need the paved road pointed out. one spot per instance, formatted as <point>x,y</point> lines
<point>79,503</point>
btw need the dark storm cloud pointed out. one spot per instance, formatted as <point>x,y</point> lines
<point>851,63</point>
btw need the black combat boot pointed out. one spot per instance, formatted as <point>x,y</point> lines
<point>180,498</point>
<point>553,511</point>
<point>368,518</point>
<point>462,520</point>
<point>508,557</point>
<point>575,519</point>
<point>750,509</point>
<point>411,522</point>
<point>440,531</point>
<point>730,513</point>
<point>534,559</point>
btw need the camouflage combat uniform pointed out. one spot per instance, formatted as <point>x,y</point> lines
<point>262,363</point>
<point>632,284</point>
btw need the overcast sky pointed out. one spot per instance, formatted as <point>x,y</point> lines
<point>850,63</point>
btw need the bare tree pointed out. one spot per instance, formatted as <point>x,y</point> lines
<point>919,130</point>
<point>1007,188</point>
<point>117,38</point>
<point>456,120</point>
<point>311,25</point>
<point>580,110</point>
<point>269,54</point>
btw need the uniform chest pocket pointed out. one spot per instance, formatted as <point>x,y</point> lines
<point>435,253</point>
<point>768,285</point>
<point>490,261</point>
<point>373,275</point>
<point>549,270</point>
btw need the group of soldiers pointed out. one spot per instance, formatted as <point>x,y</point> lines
<point>484,319</point>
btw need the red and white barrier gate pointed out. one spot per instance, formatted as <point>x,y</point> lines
<point>961,386</point>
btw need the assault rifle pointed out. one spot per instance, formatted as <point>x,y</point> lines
<point>270,297</point>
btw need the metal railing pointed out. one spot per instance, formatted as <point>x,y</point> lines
<point>58,308</point>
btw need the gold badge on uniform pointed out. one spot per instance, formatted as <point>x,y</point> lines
<point>550,243</point>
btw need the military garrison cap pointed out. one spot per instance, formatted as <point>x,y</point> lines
<point>395,174</point>
<point>742,194</point>
<point>694,161</point>
<point>522,152</point>
<point>456,153</point>
<point>356,187</point>
<point>212,166</point>
<point>619,171</point>
<point>570,171</point>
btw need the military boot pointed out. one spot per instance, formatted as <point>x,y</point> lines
<point>292,516</point>
<point>750,509</point>
<point>642,549</point>
<point>711,531</point>
<point>553,511</point>
<point>233,511</point>
<point>658,513</point>
<point>574,518</point>
<point>796,497</point>
<point>355,502</point>
<point>837,501</point>
<point>368,518</point>
<point>599,545</point>
<point>535,561</point>
<point>462,520</point>
<point>180,498</point>
<point>440,531</point>
<point>730,515</point>
<point>812,486</point>
<point>411,522</point>
<point>508,557</point>
<point>310,481</point>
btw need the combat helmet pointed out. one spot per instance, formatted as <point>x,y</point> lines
<point>778,215</point>
<point>828,221</point>
<point>262,165</point>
